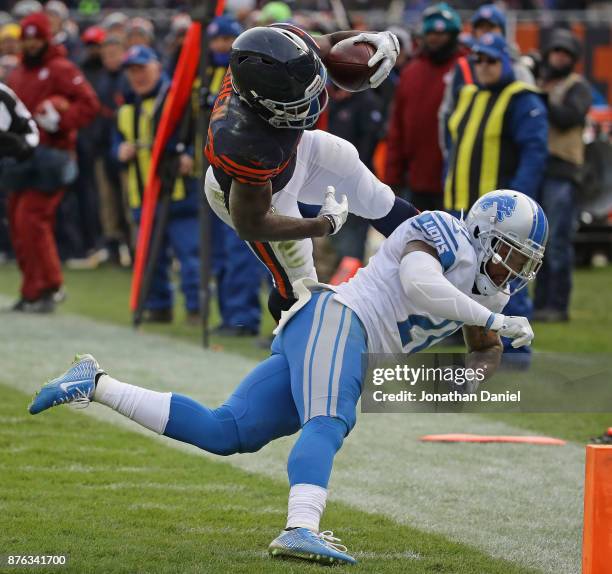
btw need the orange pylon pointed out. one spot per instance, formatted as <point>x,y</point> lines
<point>597,535</point>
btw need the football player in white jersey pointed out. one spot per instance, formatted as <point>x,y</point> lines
<point>432,276</point>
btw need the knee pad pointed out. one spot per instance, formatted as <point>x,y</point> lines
<point>277,303</point>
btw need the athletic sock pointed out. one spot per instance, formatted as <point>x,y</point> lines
<point>148,408</point>
<point>306,506</point>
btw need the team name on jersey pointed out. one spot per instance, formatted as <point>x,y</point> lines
<point>434,232</point>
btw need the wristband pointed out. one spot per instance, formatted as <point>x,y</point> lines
<point>332,223</point>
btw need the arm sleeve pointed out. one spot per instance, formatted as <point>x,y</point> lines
<point>574,108</point>
<point>84,104</point>
<point>530,134</point>
<point>400,212</point>
<point>424,283</point>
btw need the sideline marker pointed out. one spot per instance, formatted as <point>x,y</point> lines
<point>597,534</point>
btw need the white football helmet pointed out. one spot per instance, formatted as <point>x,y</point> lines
<point>511,219</point>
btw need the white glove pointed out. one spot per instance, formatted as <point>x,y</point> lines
<point>336,213</point>
<point>387,50</point>
<point>516,328</point>
<point>50,119</point>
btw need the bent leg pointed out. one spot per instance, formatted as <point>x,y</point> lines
<point>330,160</point>
<point>260,410</point>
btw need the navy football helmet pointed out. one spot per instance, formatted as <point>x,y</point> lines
<point>280,76</point>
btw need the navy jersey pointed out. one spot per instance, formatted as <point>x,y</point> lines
<point>243,146</point>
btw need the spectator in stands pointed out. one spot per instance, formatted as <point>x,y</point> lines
<point>115,25</point>
<point>273,12</point>
<point>488,19</point>
<point>140,32</point>
<point>413,155</point>
<point>237,271</point>
<point>136,124</point>
<point>113,215</point>
<point>10,40</point>
<point>62,33</point>
<point>569,100</point>
<point>497,138</point>
<point>10,49</point>
<point>24,8</point>
<point>7,65</point>
<point>79,214</point>
<point>62,102</point>
<point>174,40</point>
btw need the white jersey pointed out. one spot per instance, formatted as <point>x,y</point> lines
<point>393,323</point>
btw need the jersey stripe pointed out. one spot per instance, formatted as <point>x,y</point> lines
<point>266,255</point>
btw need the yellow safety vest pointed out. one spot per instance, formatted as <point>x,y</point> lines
<point>482,149</point>
<point>139,131</point>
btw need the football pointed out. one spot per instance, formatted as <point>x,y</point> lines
<point>347,64</point>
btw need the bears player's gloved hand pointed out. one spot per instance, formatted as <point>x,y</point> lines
<point>387,50</point>
<point>336,213</point>
<point>516,328</point>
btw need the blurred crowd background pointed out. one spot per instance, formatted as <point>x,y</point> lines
<point>533,77</point>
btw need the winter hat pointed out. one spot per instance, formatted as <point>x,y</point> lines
<point>36,25</point>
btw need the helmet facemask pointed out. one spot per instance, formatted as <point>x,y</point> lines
<point>501,249</point>
<point>298,114</point>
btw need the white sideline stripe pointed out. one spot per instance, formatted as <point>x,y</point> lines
<point>518,502</point>
<point>166,487</point>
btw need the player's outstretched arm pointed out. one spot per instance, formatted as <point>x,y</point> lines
<point>254,218</point>
<point>424,282</point>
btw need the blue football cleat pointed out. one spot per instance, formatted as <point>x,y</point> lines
<point>308,545</point>
<point>76,386</point>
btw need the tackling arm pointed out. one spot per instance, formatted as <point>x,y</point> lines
<point>424,282</point>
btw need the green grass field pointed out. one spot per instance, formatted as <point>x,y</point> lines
<point>117,501</point>
<point>70,486</point>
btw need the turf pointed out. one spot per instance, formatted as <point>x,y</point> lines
<point>116,501</point>
<point>103,294</point>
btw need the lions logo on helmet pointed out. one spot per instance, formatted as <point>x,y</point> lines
<point>502,224</point>
<point>505,205</point>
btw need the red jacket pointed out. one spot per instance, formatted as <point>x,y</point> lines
<point>57,76</point>
<point>413,144</point>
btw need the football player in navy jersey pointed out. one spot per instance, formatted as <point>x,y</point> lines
<point>263,161</point>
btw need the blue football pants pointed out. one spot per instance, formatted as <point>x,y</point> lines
<point>312,381</point>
